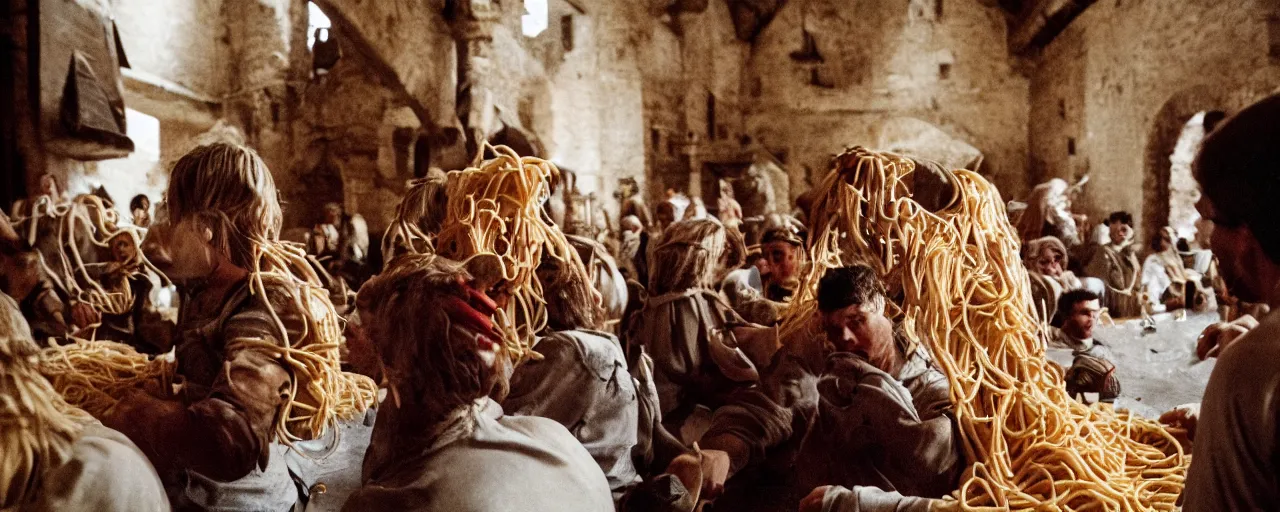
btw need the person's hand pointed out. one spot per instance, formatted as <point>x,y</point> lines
<point>813,502</point>
<point>715,472</point>
<point>471,310</point>
<point>1217,337</point>
<point>1182,422</point>
<point>84,315</point>
<point>687,467</point>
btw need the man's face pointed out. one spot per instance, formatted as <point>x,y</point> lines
<point>332,215</point>
<point>1238,252</point>
<point>1049,262</point>
<point>181,252</point>
<point>48,186</point>
<point>1166,241</point>
<point>782,260</point>
<point>1120,232</point>
<point>863,330</point>
<point>1084,315</point>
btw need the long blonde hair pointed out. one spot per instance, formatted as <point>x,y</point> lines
<point>693,254</point>
<point>229,189</point>
<point>37,428</point>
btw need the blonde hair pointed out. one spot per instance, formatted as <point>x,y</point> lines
<point>37,428</point>
<point>228,188</point>
<point>692,254</point>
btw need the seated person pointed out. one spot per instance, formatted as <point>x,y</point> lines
<point>1170,285</point>
<point>1046,262</point>
<point>1116,264</point>
<point>137,322</point>
<point>582,380</point>
<point>55,457</point>
<point>440,443</point>
<point>684,325</point>
<point>216,445</point>
<point>1090,371</point>
<point>783,248</point>
<point>873,412</point>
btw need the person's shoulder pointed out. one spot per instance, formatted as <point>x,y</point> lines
<point>600,352</point>
<point>544,433</point>
<point>110,472</point>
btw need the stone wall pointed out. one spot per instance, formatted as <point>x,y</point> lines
<point>170,46</point>
<point>185,42</point>
<point>1130,74</point>
<point>941,70</point>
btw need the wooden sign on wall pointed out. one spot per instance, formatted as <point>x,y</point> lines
<point>81,112</point>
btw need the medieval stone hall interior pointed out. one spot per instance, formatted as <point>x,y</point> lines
<point>639,255</point>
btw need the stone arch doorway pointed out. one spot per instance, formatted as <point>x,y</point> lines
<point>1183,191</point>
<point>1169,190</point>
<point>319,183</point>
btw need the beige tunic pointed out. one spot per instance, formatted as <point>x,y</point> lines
<point>696,360</point>
<point>583,384</point>
<point>105,473</point>
<point>1118,267</point>
<point>483,461</point>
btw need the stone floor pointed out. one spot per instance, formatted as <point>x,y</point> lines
<point>1158,370</point>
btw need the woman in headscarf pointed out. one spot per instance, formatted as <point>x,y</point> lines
<point>1046,262</point>
<point>686,325</point>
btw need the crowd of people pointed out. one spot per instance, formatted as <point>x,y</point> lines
<point>660,381</point>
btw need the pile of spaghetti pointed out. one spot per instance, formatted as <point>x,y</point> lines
<point>491,212</point>
<point>65,233</point>
<point>321,393</point>
<point>964,291</point>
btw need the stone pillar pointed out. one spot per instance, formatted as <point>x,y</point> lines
<point>472,22</point>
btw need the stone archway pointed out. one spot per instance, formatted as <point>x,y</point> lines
<point>1167,128</point>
